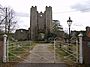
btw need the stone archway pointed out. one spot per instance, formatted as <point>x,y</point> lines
<point>41,36</point>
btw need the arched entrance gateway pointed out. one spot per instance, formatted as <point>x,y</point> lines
<point>41,37</point>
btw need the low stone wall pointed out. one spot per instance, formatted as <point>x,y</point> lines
<point>86,50</point>
<point>1,50</point>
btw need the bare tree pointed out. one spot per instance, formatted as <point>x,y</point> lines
<point>11,21</point>
<point>7,19</point>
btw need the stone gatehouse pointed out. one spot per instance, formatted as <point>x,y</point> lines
<point>40,23</point>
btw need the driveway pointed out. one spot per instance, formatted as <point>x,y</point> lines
<point>41,54</point>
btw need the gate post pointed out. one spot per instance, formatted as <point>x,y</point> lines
<point>4,48</point>
<point>80,51</point>
<point>77,51</point>
<point>54,50</point>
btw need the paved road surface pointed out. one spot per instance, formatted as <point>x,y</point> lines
<point>35,65</point>
<point>41,54</point>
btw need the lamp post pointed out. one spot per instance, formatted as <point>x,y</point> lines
<point>69,22</point>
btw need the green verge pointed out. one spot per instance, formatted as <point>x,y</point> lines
<point>60,54</point>
<point>63,55</point>
<point>19,50</point>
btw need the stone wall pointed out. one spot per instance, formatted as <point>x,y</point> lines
<point>1,50</point>
<point>86,50</point>
<point>33,22</point>
<point>21,34</point>
<point>48,18</point>
<point>41,22</point>
<point>88,31</point>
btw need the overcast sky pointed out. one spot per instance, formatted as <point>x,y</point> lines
<point>78,10</point>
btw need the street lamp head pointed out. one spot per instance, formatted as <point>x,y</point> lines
<point>69,22</point>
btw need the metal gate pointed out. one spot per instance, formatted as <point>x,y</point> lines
<point>17,50</point>
<point>56,52</point>
<point>29,52</point>
<point>26,52</point>
<point>68,52</point>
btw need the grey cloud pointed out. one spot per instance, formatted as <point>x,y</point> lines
<point>83,6</point>
<point>21,14</point>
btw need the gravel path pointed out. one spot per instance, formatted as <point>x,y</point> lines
<point>41,54</point>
